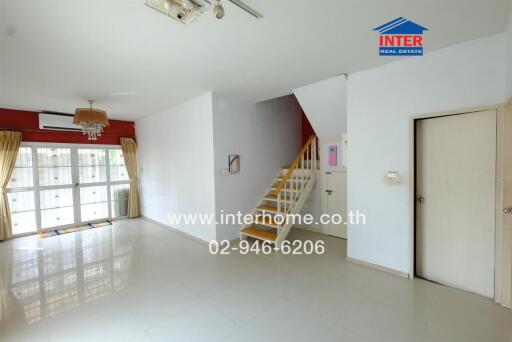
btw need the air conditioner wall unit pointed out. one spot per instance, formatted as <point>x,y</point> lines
<point>58,122</point>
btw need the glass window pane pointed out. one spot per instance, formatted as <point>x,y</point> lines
<point>119,208</point>
<point>93,174</point>
<point>92,164</point>
<point>22,175</point>
<point>91,157</point>
<point>57,217</point>
<point>51,199</point>
<point>95,211</point>
<point>93,194</point>
<point>21,201</point>
<point>54,166</point>
<point>118,170</point>
<point>55,176</point>
<point>23,222</point>
<point>53,157</point>
<point>119,196</point>
<point>115,157</point>
<point>120,192</point>
<point>24,157</point>
<point>118,173</point>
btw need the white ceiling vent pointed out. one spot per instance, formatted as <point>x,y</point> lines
<point>58,122</point>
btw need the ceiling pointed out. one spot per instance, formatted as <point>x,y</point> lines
<point>134,61</point>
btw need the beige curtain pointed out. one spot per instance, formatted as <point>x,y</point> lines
<point>130,159</point>
<point>9,147</point>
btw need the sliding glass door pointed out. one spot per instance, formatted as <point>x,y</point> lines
<point>57,186</point>
<point>92,185</point>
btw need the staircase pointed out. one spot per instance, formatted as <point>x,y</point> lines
<point>285,197</point>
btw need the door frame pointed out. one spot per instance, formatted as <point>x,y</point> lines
<point>499,108</point>
<point>327,228</point>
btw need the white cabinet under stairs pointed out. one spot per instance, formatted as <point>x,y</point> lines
<point>285,197</point>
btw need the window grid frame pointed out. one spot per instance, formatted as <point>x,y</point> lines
<point>36,188</point>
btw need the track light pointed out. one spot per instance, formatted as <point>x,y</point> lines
<point>167,5</point>
<point>218,10</point>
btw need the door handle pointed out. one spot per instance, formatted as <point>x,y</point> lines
<point>507,210</point>
<point>329,192</point>
<point>421,199</point>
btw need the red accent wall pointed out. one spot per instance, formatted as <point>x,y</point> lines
<point>306,129</point>
<point>28,124</point>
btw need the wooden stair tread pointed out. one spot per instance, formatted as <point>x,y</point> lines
<point>274,187</point>
<point>273,197</point>
<point>296,179</point>
<point>266,221</point>
<point>260,234</point>
<point>269,208</point>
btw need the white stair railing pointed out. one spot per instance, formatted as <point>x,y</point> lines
<point>294,182</point>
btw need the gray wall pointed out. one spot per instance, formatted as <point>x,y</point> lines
<point>267,137</point>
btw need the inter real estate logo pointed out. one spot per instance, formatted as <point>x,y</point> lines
<point>401,37</point>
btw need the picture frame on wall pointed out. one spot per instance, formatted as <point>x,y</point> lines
<point>234,163</point>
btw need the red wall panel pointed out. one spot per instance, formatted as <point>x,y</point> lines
<point>307,129</point>
<point>28,124</point>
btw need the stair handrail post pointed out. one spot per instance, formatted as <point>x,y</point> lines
<point>286,188</point>
<point>302,173</point>
<point>298,160</point>
<point>316,154</point>
<point>308,158</point>
<point>292,184</point>
<point>315,141</point>
<point>278,202</point>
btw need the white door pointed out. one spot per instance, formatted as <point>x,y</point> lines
<point>455,210</point>
<point>335,202</point>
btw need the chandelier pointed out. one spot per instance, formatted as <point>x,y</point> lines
<point>91,120</point>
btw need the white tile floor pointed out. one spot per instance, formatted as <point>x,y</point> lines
<point>137,281</point>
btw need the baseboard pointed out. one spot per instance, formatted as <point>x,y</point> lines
<point>378,268</point>
<point>180,232</point>
<point>308,228</point>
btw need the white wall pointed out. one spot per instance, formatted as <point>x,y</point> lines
<point>508,34</point>
<point>325,105</point>
<point>177,159</point>
<point>380,103</point>
<point>266,135</point>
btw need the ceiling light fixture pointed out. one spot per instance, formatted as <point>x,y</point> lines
<point>92,120</point>
<point>218,10</point>
<point>186,4</point>
<point>167,5</point>
<point>186,11</point>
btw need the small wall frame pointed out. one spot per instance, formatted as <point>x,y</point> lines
<point>234,163</point>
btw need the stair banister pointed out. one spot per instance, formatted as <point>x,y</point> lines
<point>290,194</point>
<point>294,166</point>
